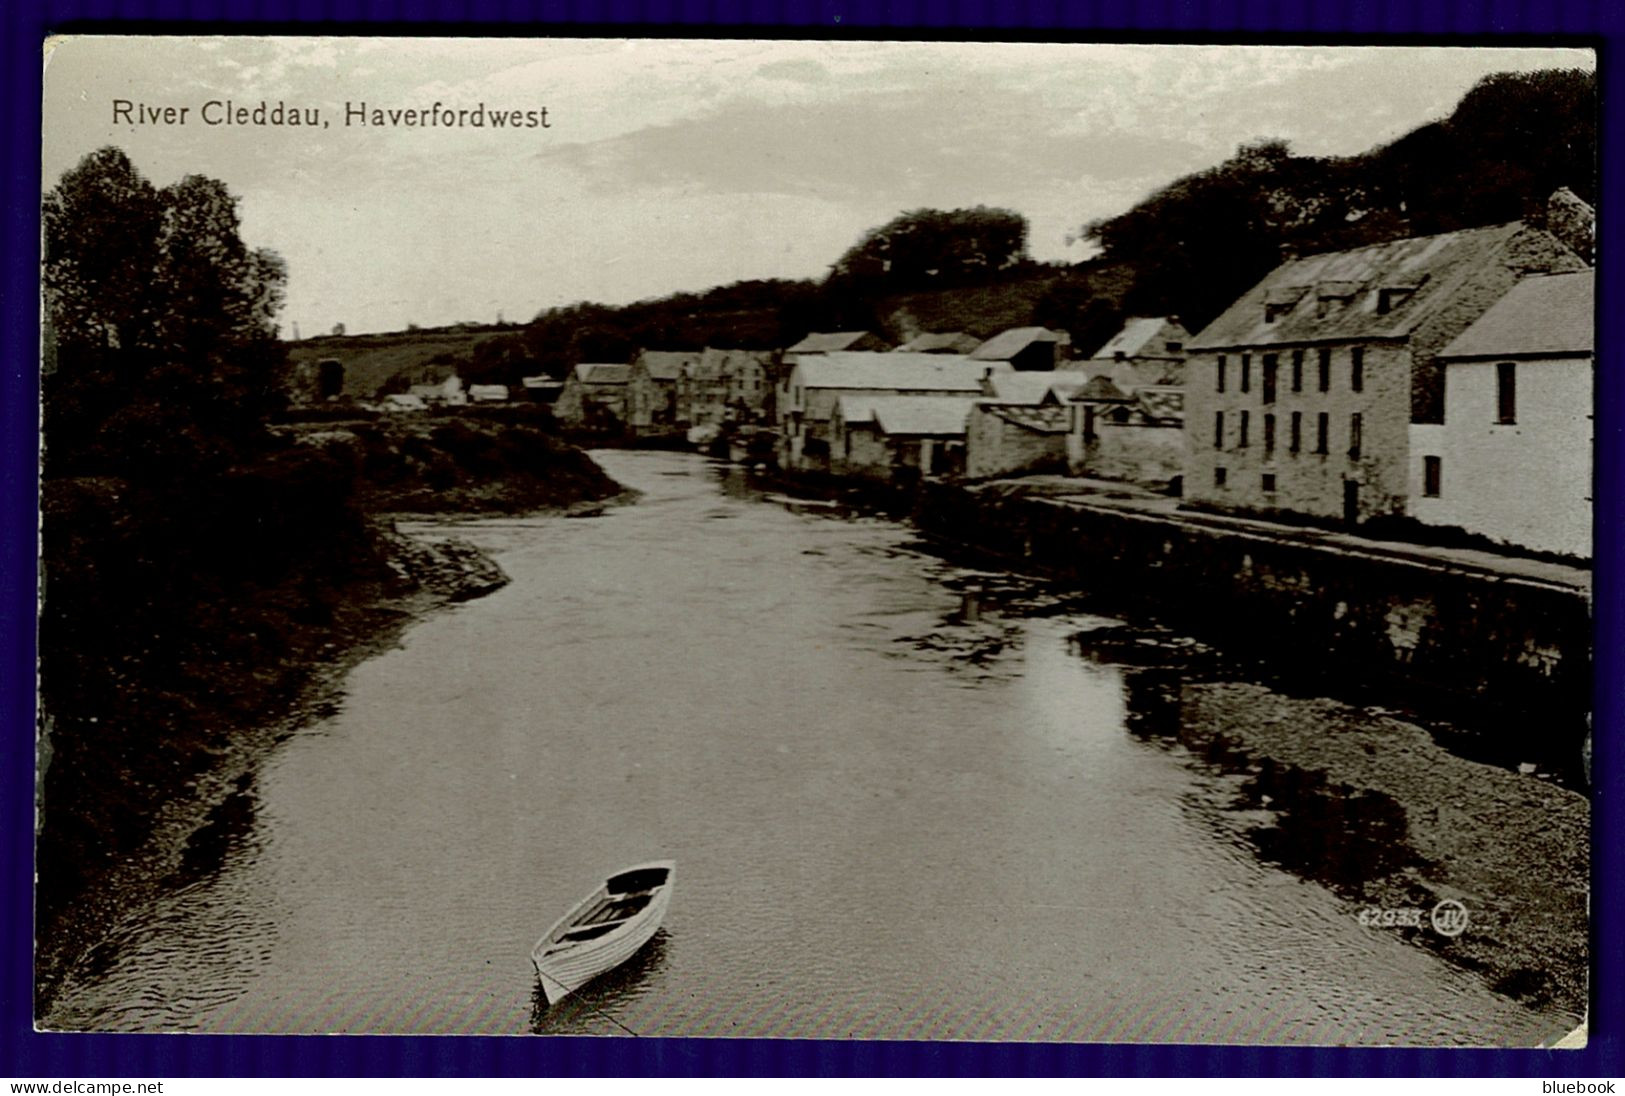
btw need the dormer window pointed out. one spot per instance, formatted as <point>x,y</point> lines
<point>1175,347</point>
<point>1392,297</point>
<point>1273,312</point>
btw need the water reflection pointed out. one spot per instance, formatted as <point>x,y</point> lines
<point>595,1008</point>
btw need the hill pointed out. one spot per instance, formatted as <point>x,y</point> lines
<point>371,360</point>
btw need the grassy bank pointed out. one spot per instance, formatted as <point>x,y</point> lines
<point>189,624</point>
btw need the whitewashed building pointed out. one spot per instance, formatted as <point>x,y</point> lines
<point>1512,459</point>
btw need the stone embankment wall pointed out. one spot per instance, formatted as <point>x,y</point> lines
<point>1518,651</point>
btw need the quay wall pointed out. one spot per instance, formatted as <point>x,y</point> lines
<point>1517,651</point>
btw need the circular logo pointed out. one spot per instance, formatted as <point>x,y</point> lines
<point>1450,918</point>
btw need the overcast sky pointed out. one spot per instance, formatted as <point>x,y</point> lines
<point>669,165</point>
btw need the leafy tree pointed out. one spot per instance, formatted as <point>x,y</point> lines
<point>926,247</point>
<point>162,319</point>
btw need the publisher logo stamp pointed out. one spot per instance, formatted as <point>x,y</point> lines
<point>1450,918</point>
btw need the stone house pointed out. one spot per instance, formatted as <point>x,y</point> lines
<point>876,437</point>
<point>1300,396</point>
<point>1512,459</point>
<point>593,391</point>
<point>1021,426</point>
<point>1148,350</point>
<point>1137,436</point>
<point>1026,349</point>
<point>815,384</point>
<point>733,386</point>
<point>436,384</point>
<point>651,387</point>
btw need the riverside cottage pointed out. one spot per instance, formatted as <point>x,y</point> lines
<point>816,383</point>
<point>894,438</point>
<point>1022,424</point>
<point>593,391</point>
<point>1301,395</point>
<point>651,388</point>
<point>1512,459</point>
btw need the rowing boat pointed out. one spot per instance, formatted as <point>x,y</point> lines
<point>605,929</point>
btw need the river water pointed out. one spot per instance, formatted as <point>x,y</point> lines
<point>895,815</point>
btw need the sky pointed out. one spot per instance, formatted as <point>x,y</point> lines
<point>669,166</point>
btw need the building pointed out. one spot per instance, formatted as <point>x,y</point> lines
<point>726,386</point>
<point>898,438</point>
<point>1137,436</point>
<point>827,342</point>
<point>1021,426</point>
<point>594,394</point>
<point>651,387</point>
<point>487,393</point>
<point>1026,349</point>
<point>1300,397</point>
<point>1512,459</point>
<point>541,388</point>
<point>946,342</point>
<point>436,384</point>
<point>1148,350</point>
<point>816,383</point>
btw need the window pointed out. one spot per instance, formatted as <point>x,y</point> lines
<point>1088,422</point>
<point>1432,474</point>
<point>1246,372</point>
<point>1175,347</point>
<point>1297,371</point>
<point>1274,310</point>
<point>1357,369</point>
<point>1222,363</point>
<point>1241,432</point>
<point>1218,429</point>
<point>1295,442</point>
<point>1390,299</point>
<point>1506,392</point>
<point>1269,483</point>
<point>1271,362</point>
<point>1219,475</point>
<point>1354,435</point>
<point>1325,369</point>
<point>1323,429</point>
<point>1269,435</point>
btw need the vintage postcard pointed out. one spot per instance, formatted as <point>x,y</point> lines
<point>801,539</point>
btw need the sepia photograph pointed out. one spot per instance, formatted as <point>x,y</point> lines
<point>965,541</point>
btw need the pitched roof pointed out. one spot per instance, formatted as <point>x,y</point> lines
<point>1163,403</point>
<point>822,342</point>
<point>1349,284</point>
<point>602,372</point>
<point>886,371</point>
<point>1031,388</point>
<point>666,365</point>
<point>1051,418</point>
<point>1007,344</point>
<point>921,416</point>
<point>1546,315</point>
<point>941,342</point>
<point>1138,336</point>
<point>714,363</point>
<point>1097,388</point>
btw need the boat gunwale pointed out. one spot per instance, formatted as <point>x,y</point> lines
<point>539,952</point>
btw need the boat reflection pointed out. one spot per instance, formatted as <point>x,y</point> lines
<point>591,1010</point>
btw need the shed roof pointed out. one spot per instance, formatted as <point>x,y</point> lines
<point>1139,334</point>
<point>602,372</point>
<point>822,342</point>
<point>1550,315</point>
<point>921,416</point>
<point>1032,388</point>
<point>1350,284</point>
<point>1007,344</point>
<point>891,372</point>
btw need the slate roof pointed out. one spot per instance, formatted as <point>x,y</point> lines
<point>822,342</point>
<point>1162,403</point>
<point>1551,315</point>
<point>883,371</point>
<point>941,342</point>
<point>666,365</point>
<point>1007,344</point>
<point>1432,267</point>
<point>1031,388</point>
<point>714,364</point>
<point>602,372</point>
<point>921,416</point>
<point>1098,388</point>
<point>1144,336</point>
<point>1051,418</point>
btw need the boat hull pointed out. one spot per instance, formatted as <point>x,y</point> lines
<point>564,969</point>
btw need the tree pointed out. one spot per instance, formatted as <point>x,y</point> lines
<point>162,319</point>
<point>928,247</point>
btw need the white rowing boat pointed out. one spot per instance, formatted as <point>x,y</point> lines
<point>605,929</point>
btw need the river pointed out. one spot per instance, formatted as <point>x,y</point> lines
<point>896,814</point>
